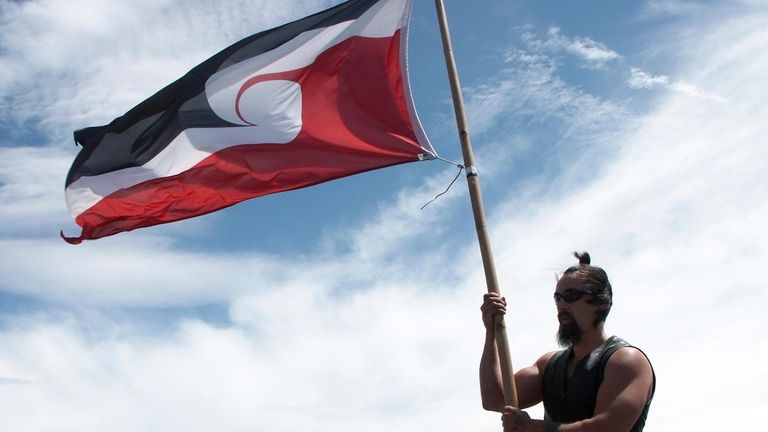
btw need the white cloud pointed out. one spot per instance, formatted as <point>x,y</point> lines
<point>584,47</point>
<point>31,189</point>
<point>695,92</point>
<point>530,92</point>
<point>671,7</point>
<point>593,54</point>
<point>640,79</point>
<point>369,359</point>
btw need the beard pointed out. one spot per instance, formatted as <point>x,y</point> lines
<point>569,333</point>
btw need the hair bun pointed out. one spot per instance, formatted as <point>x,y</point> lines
<point>583,257</point>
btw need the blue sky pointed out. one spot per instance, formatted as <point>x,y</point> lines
<point>633,130</point>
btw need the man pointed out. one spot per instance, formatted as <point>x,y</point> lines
<point>598,383</point>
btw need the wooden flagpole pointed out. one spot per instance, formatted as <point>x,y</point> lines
<point>502,342</point>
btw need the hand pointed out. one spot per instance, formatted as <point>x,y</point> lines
<point>515,420</point>
<point>494,307</point>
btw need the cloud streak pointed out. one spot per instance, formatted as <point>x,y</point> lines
<point>642,80</point>
<point>593,54</point>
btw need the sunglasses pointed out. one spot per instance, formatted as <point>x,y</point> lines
<point>571,295</point>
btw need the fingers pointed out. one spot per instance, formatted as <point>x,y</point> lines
<point>492,295</point>
<point>493,304</point>
<point>494,307</point>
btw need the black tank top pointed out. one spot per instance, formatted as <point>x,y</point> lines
<point>568,401</point>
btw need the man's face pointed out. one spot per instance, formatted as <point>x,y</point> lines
<point>575,315</point>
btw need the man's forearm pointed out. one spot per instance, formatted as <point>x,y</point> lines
<point>491,390</point>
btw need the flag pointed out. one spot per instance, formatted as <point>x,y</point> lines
<point>317,99</point>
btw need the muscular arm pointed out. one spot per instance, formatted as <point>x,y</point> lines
<point>529,382</point>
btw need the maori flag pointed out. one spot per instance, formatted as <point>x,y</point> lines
<point>320,98</point>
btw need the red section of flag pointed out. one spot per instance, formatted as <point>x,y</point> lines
<point>354,119</point>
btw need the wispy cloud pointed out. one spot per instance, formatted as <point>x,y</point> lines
<point>695,92</point>
<point>351,363</point>
<point>641,80</point>
<point>31,193</point>
<point>593,54</point>
<point>529,92</point>
<point>14,381</point>
<point>530,88</point>
<point>671,7</point>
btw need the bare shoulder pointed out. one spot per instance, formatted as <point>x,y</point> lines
<point>537,369</point>
<point>629,359</point>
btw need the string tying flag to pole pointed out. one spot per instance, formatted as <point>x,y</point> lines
<point>461,168</point>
